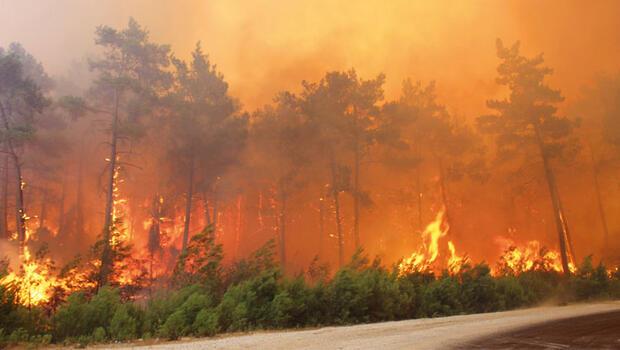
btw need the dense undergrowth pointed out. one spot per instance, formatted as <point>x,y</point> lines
<point>205,299</point>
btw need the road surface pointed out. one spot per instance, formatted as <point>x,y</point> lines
<point>499,330</point>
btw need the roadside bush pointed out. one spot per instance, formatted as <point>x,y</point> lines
<point>441,298</point>
<point>590,282</point>
<point>248,304</point>
<point>164,304</point>
<point>478,289</point>
<point>538,285</point>
<point>288,306</point>
<point>123,326</point>
<point>174,327</point>
<point>206,323</point>
<point>183,316</point>
<point>510,293</point>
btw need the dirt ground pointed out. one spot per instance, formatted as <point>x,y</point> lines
<point>493,331</point>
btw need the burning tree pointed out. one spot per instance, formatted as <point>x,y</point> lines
<point>282,145</point>
<point>526,125</point>
<point>130,75</point>
<point>343,110</point>
<point>22,85</point>
<point>206,132</point>
<point>418,133</point>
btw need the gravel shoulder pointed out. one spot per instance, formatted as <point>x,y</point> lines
<point>435,333</point>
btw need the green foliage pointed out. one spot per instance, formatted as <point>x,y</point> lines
<point>248,304</point>
<point>189,300</point>
<point>206,323</point>
<point>201,262</point>
<point>478,289</point>
<point>510,292</point>
<point>175,326</point>
<point>123,326</point>
<point>362,291</point>
<point>590,282</point>
<point>80,316</point>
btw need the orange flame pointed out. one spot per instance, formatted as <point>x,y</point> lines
<point>426,257</point>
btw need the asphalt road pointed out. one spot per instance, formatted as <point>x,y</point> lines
<point>598,331</point>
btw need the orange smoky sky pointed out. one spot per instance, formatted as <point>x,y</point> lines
<point>265,46</point>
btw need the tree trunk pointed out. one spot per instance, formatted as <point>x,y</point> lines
<point>356,194</point>
<point>43,214</point>
<point>444,194</point>
<point>106,255</point>
<point>215,212</point>
<point>238,226</point>
<point>4,217</point>
<point>321,223</point>
<point>20,213</point>
<point>282,229</point>
<point>419,200</point>
<point>61,211</point>
<point>79,202</point>
<point>599,199</point>
<point>188,203</point>
<point>206,208</point>
<point>335,195</point>
<point>560,218</point>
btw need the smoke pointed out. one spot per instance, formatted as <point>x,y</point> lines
<point>267,46</point>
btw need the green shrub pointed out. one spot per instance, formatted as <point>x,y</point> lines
<point>206,323</point>
<point>538,285</point>
<point>590,282</point>
<point>99,335</point>
<point>478,293</point>
<point>510,293</point>
<point>175,326</point>
<point>162,305</point>
<point>123,326</point>
<point>441,297</point>
<point>248,304</point>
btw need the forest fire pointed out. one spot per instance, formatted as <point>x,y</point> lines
<point>34,281</point>
<point>531,256</point>
<point>148,181</point>
<point>425,258</point>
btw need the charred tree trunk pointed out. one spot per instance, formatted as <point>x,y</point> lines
<point>419,200</point>
<point>61,210</point>
<point>106,255</point>
<point>444,193</point>
<point>356,193</point>
<point>282,229</point>
<point>188,203</point>
<point>43,214</point>
<point>558,212</point>
<point>154,242</point>
<point>321,224</point>
<point>238,226</point>
<point>599,199</point>
<point>335,191</point>
<point>79,202</point>
<point>215,211</point>
<point>206,208</point>
<point>20,212</point>
<point>4,217</point>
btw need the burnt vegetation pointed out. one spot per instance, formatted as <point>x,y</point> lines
<point>146,202</point>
